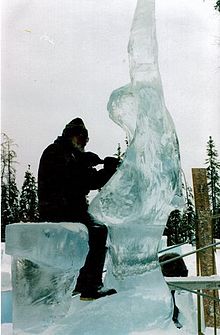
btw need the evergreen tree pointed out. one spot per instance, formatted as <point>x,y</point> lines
<point>188,217</point>
<point>217,5</point>
<point>172,230</point>
<point>6,215</point>
<point>9,190</point>
<point>119,153</point>
<point>213,176</point>
<point>28,198</point>
<point>180,226</point>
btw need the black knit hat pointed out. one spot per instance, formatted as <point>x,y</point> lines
<point>75,127</point>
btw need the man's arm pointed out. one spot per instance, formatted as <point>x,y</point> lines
<point>98,179</point>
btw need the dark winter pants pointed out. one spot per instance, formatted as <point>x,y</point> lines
<point>175,309</point>
<point>90,275</point>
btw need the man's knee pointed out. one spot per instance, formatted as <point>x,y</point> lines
<point>99,230</point>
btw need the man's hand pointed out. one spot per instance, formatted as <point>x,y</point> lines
<point>91,159</point>
<point>111,163</point>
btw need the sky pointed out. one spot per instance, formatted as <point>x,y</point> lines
<point>62,59</point>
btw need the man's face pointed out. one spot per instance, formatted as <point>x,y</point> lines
<point>80,141</point>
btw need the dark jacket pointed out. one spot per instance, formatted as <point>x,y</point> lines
<point>65,177</point>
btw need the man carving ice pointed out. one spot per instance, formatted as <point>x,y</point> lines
<point>66,175</point>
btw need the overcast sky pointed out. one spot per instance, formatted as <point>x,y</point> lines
<point>62,59</point>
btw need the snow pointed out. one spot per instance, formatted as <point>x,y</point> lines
<point>6,328</point>
<point>5,270</point>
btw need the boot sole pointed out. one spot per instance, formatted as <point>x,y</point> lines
<point>87,299</point>
<point>111,292</point>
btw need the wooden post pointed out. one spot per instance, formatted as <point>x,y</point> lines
<point>204,237</point>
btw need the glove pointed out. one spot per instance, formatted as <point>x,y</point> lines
<point>91,159</point>
<point>111,163</point>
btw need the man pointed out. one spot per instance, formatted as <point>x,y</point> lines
<point>66,175</point>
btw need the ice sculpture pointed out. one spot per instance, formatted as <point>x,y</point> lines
<point>147,185</point>
<point>135,204</point>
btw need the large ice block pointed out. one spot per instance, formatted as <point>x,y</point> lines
<point>46,258</point>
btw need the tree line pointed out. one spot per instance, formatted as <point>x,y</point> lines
<point>16,206</point>
<point>181,226</point>
<point>22,206</point>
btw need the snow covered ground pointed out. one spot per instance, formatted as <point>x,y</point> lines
<point>7,330</point>
<point>6,327</point>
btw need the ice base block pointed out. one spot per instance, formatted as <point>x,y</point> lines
<point>46,258</point>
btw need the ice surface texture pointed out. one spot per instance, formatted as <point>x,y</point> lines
<point>46,258</point>
<point>136,202</point>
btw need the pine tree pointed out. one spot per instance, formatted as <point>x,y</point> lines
<point>213,176</point>
<point>217,5</point>
<point>28,198</point>
<point>9,190</point>
<point>172,230</point>
<point>188,217</point>
<point>180,226</point>
<point>6,216</point>
<point>119,153</point>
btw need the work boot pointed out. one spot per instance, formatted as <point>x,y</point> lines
<point>89,295</point>
<point>79,288</point>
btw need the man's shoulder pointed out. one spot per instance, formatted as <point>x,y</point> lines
<point>53,149</point>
